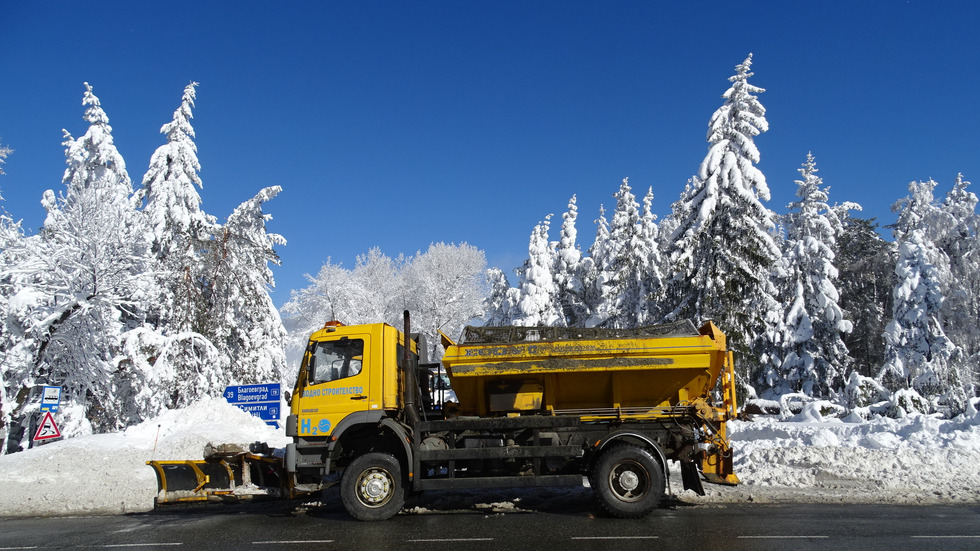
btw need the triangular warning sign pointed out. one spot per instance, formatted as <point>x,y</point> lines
<point>48,428</point>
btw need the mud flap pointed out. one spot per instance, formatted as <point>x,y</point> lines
<point>691,477</point>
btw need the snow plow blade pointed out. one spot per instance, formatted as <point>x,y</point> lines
<point>240,476</point>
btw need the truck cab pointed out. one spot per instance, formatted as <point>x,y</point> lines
<point>350,376</point>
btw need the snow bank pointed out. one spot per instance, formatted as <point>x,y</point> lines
<point>918,459</point>
<point>107,473</point>
<point>808,458</point>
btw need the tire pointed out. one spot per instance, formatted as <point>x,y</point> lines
<point>628,481</point>
<point>372,487</point>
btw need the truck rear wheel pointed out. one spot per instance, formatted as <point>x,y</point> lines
<point>628,481</point>
<point>372,487</point>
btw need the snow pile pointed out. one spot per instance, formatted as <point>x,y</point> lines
<point>918,459</point>
<point>807,458</point>
<point>107,473</point>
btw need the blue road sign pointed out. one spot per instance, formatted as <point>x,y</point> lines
<point>247,394</point>
<point>260,400</point>
<point>267,411</point>
<point>51,398</point>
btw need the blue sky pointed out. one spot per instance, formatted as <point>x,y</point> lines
<point>397,124</point>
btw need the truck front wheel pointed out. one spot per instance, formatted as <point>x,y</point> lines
<point>628,481</point>
<point>372,487</point>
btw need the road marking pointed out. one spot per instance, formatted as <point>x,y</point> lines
<point>14,548</point>
<point>284,542</point>
<point>615,537</point>
<point>449,540</point>
<point>151,544</point>
<point>781,537</point>
<point>940,537</point>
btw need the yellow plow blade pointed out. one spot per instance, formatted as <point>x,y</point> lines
<point>220,478</point>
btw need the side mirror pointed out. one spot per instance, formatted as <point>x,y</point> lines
<point>289,399</point>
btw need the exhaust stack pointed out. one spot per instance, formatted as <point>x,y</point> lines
<point>411,379</point>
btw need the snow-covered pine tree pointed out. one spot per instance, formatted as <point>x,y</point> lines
<point>13,375</point>
<point>866,264</point>
<point>943,242</point>
<point>648,252</point>
<point>916,211</point>
<point>721,250</point>
<point>180,229</point>
<point>568,270</point>
<point>246,329</point>
<point>597,274</point>
<point>812,355</point>
<point>172,346</point>
<point>500,304</point>
<point>80,284</point>
<point>538,304</point>
<point>917,351</point>
<point>958,228</point>
<point>628,258</point>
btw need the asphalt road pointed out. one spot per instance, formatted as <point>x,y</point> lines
<point>296,527</point>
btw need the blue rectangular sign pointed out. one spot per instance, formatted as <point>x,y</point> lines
<point>267,411</point>
<point>249,394</point>
<point>260,400</point>
<point>51,398</point>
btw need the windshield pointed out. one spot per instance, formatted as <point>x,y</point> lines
<point>333,360</point>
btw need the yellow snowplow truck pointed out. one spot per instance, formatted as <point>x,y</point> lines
<point>537,406</point>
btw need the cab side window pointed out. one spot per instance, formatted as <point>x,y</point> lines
<point>334,360</point>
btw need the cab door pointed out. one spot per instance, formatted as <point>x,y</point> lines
<point>339,381</point>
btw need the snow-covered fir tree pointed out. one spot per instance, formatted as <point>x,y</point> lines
<point>627,259</point>
<point>501,299</point>
<point>648,253</point>
<point>917,351</point>
<point>180,229</point>
<point>88,303</point>
<point>568,270</point>
<point>246,326</point>
<point>596,273</point>
<point>79,285</point>
<point>183,364</point>
<point>14,379</point>
<point>810,355</point>
<point>916,211</point>
<point>934,241</point>
<point>958,229</point>
<point>538,304</point>
<point>721,251</point>
<point>866,264</point>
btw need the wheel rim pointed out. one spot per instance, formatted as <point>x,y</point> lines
<point>629,481</point>
<point>375,487</point>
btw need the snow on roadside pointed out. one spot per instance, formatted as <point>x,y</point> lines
<point>916,460</point>
<point>107,473</point>
<point>809,458</point>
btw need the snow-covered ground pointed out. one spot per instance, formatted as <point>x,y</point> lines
<point>808,458</point>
